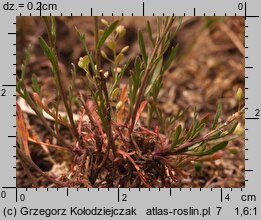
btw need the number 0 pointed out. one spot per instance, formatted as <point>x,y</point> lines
<point>22,197</point>
<point>3,194</point>
<point>240,6</point>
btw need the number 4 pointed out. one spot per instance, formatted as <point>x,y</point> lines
<point>227,197</point>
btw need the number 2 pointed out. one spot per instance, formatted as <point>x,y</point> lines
<point>3,91</point>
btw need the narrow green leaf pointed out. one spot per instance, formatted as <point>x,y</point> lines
<point>150,33</point>
<point>205,119</point>
<point>156,79</point>
<point>53,29</point>
<point>23,70</point>
<point>106,34</point>
<point>28,52</point>
<point>138,67</point>
<point>233,128</point>
<point>157,71</point>
<point>193,128</point>
<point>46,21</point>
<point>170,58</point>
<point>142,47</point>
<point>159,23</point>
<point>124,68</point>
<point>173,34</point>
<point>49,52</point>
<point>197,131</point>
<point>19,86</point>
<point>218,112</point>
<point>35,85</point>
<point>213,150</point>
<point>73,72</point>
<point>216,135</point>
<point>176,136</point>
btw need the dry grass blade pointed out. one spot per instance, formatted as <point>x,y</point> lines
<point>22,130</point>
<point>140,110</point>
<point>52,114</point>
<point>48,144</point>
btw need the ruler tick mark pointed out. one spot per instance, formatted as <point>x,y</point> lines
<point>8,85</point>
<point>143,8</point>
<point>245,10</point>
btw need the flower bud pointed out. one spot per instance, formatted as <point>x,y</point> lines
<point>239,130</point>
<point>124,49</point>
<point>103,21</point>
<point>239,95</point>
<point>119,105</point>
<point>115,93</point>
<point>104,55</point>
<point>101,32</point>
<point>117,70</point>
<point>106,74</point>
<point>121,30</point>
<point>119,58</point>
<point>111,44</point>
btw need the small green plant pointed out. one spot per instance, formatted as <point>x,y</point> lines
<point>113,147</point>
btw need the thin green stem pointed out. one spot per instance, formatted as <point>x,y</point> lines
<point>147,72</point>
<point>103,85</point>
